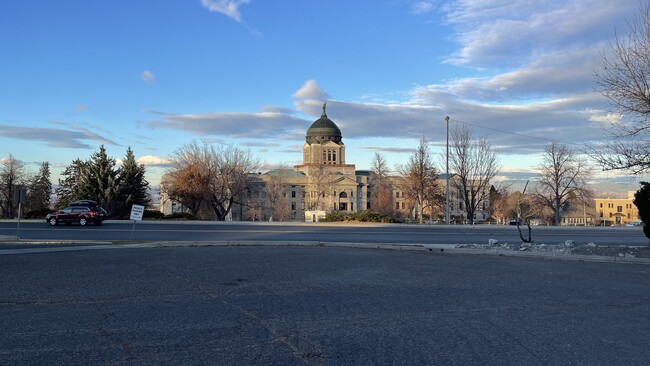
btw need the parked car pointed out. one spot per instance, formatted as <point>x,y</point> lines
<point>81,214</point>
<point>635,223</point>
<point>83,203</point>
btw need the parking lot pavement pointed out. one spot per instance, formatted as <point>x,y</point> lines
<point>318,305</point>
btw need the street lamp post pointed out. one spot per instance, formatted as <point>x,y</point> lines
<point>447,183</point>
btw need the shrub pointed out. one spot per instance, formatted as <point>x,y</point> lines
<point>361,216</point>
<point>180,216</point>
<point>152,215</point>
<point>37,214</point>
<point>334,216</point>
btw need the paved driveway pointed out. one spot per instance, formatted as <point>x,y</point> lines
<point>318,306</point>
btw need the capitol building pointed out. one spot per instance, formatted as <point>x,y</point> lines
<point>325,182</point>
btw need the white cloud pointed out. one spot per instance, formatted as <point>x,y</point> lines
<point>311,90</point>
<point>422,7</point>
<point>153,160</point>
<point>498,33</point>
<point>148,77</point>
<point>233,125</point>
<point>55,137</point>
<point>229,8</point>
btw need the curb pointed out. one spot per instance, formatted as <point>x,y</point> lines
<point>440,249</point>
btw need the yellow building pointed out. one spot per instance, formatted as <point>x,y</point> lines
<point>616,211</point>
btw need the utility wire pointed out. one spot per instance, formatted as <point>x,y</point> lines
<point>515,133</point>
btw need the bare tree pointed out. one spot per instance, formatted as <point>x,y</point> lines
<point>277,194</point>
<point>12,175</point>
<point>187,182</point>
<point>562,178</point>
<point>216,176</point>
<point>420,178</point>
<point>319,187</point>
<point>233,177</point>
<point>499,196</point>
<point>624,78</point>
<point>476,164</point>
<point>382,197</point>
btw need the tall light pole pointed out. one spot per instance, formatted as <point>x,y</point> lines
<point>447,183</point>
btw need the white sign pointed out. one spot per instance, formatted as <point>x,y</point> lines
<point>136,212</point>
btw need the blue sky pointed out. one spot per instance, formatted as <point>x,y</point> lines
<point>156,75</point>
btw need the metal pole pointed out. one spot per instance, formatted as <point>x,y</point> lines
<point>132,230</point>
<point>447,183</point>
<point>18,226</point>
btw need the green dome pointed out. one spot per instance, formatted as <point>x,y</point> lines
<point>323,130</point>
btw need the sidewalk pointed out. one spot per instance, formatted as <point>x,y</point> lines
<point>439,249</point>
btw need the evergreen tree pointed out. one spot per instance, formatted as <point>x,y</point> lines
<point>99,180</point>
<point>133,187</point>
<point>69,188</point>
<point>40,189</point>
<point>642,202</point>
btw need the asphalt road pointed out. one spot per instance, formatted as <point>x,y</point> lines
<point>235,231</point>
<point>318,306</point>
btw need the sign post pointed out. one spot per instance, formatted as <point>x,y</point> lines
<point>136,215</point>
<point>20,193</point>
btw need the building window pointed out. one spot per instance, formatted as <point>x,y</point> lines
<point>397,205</point>
<point>601,205</point>
<point>403,205</point>
<point>302,205</point>
<point>293,194</point>
<point>293,205</point>
<point>368,205</point>
<point>619,208</point>
<point>284,194</point>
<point>397,194</point>
<point>351,206</point>
<point>610,214</point>
<point>334,156</point>
<point>601,213</point>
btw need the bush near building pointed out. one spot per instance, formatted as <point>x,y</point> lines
<point>153,215</point>
<point>180,216</point>
<point>361,216</point>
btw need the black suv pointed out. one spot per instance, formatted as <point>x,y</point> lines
<point>83,212</point>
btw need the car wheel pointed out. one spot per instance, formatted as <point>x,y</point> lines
<point>52,221</point>
<point>83,221</point>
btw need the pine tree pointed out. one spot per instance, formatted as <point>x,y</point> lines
<point>69,188</point>
<point>99,180</point>
<point>133,187</point>
<point>642,203</point>
<point>40,189</point>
